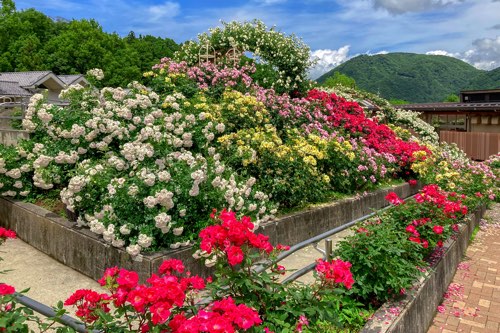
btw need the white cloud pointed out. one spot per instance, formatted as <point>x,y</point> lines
<point>328,59</point>
<point>166,10</point>
<point>443,53</point>
<point>485,53</point>
<point>403,6</point>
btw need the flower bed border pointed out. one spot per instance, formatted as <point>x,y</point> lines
<point>418,308</point>
<point>87,253</point>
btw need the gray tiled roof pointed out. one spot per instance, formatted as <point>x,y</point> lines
<point>25,79</point>
<point>10,88</point>
<point>69,79</point>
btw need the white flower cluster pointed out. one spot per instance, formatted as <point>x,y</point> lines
<point>412,119</point>
<point>96,73</point>
<point>13,180</point>
<point>139,171</point>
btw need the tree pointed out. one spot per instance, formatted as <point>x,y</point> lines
<point>452,98</point>
<point>396,101</point>
<point>31,41</point>
<point>340,79</point>
<point>8,7</point>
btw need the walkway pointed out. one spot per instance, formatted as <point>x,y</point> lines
<point>472,303</point>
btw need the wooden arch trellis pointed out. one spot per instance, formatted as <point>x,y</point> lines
<point>207,53</point>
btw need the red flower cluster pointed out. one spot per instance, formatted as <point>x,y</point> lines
<point>351,117</point>
<point>231,236</point>
<point>87,303</point>
<point>5,289</point>
<point>393,198</point>
<point>222,316</point>
<point>335,272</point>
<point>160,301</point>
<point>6,233</point>
<point>438,229</point>
<point>435,195</point>
<point>418,240</point>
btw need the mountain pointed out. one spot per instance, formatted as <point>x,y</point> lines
<point>486,80</point>
<point>415,77</point>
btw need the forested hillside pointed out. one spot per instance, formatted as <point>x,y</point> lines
<point>415,77</point>
<point>30,40</point>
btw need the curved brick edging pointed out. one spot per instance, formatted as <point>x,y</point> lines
<point>415,312</point>
<point>87,253</point>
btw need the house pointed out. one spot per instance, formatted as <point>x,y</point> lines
<point>14,86</point>
<point>17,87</point>
<point>473,123</point>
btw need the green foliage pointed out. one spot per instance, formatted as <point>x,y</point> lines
<point>30,40</point>
<point>485,80</point>
<point>339,79</point>
<point>452,98</point>
<point>8,7</point>
<point>396,101</point>
<point>384,262</point>
<point>414,77</point>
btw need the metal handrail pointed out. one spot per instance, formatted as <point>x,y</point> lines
<point>314,241</point>
<point>50,313</point>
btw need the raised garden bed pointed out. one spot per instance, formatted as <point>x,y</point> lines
<point>87,253</point>
<point>415,312</point>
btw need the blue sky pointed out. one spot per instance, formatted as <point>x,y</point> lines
<point>336,30</point>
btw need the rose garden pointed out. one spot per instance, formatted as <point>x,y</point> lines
<point>201,153</point>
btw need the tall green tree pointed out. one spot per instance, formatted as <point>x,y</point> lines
<point>8,7</point>
<point>30,40</point>
<point>452,98</point>
<point>340,79</point>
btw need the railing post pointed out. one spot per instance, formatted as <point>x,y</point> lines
<point>328,249</point>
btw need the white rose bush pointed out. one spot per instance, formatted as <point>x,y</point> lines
<point>137,171</point>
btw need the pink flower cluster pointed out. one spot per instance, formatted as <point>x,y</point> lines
<point>232,236</point>
<point>209,74</point>
<point>335,272</point>
<point>161,301</point>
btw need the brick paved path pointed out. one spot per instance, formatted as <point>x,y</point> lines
<point>472,303</point>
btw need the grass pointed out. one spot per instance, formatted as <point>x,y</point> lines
<point>474,232</point>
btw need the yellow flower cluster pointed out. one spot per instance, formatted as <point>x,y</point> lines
<point>255,144</point>
<point>311,148</point>
<point>344,147</point>
<point>422,166</point>
<point>244,108</point>
<point>150,74</point>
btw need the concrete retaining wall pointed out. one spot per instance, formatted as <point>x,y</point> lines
<point>87,253</point>
<point>10,137</point>
<point>418,308</point>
